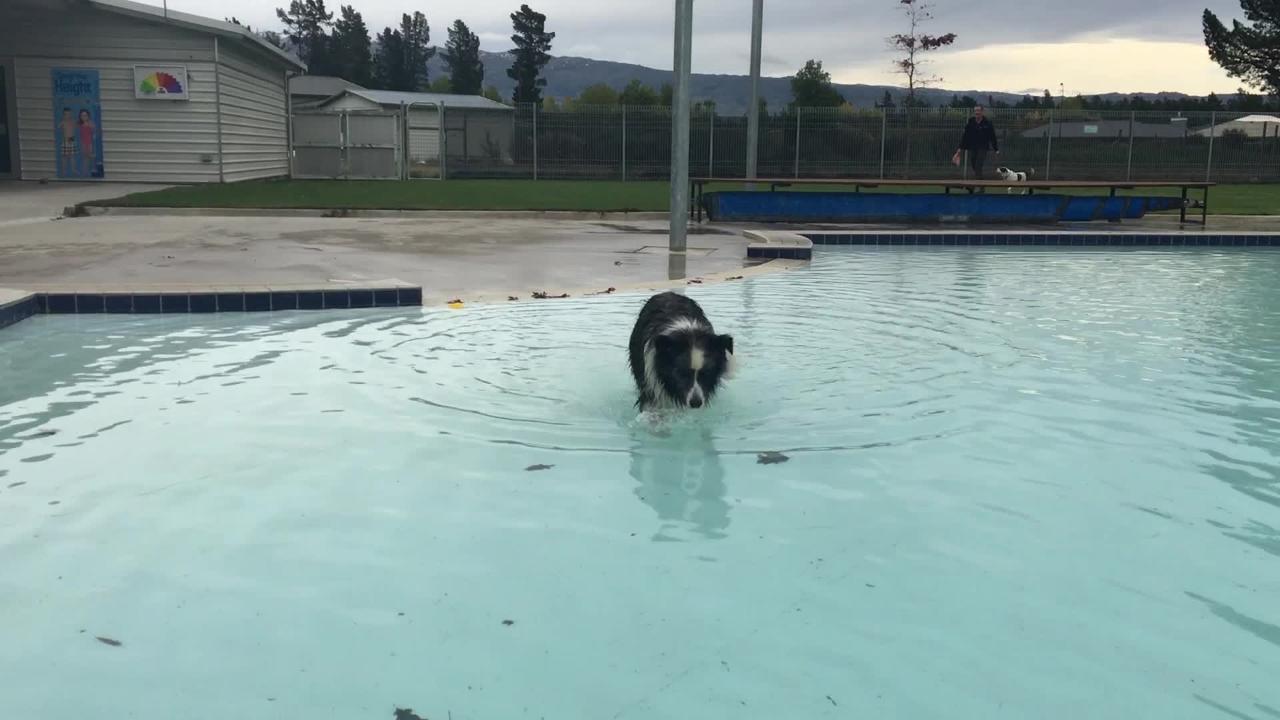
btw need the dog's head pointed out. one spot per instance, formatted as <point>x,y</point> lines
<point>1005,173</point>
<point>691,363</point>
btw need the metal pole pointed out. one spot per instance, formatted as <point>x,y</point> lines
<point>798,110</point>
<point>679,211</point>
<point>1213,130</point>
<point>753,110</point>
<point>535,141</point>
<point>1128,172</point>
<point>624,143</point>
<point>884,136</point>
<point>1048,152</point>
<point>711,146</point>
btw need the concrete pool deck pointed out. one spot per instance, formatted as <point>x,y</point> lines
<point>475,257</point>
<point>449,257</point>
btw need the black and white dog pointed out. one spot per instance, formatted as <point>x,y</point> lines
<point>1011,176</point>
<point>677,359</point>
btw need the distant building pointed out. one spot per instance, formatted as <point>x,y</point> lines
<point>479,131</point>
<point>1254,126</point>
<point>1107,129</point>
<point>307,91</point>
<point>119,90</point>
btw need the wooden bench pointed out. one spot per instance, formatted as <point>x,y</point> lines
<point>698,184</point>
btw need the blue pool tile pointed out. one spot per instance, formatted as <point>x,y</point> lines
<point>385,298</point>
<point>337,299</point>
<point>146,303</point>
<point>310,301</point>
<point>284,301</point>
<point>204,303</point>
<point>119,303</point>
<point>93,304</point>
<point>231,302</point>
<point>42,303</point>
<point>257,302</point>
<point>175,304</point>
<point>61,303</point>
<point>410,297</point>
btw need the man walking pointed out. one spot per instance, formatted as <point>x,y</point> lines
<point>979,136</point>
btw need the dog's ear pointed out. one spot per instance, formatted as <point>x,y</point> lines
<point>724,343</point>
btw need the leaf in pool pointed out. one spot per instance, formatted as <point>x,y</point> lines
<point>771,458</point>
<point>512,298</point>
<point>508,623</point>
<point>407,714</point>
<point>109,641</point>
<point>538,468</point>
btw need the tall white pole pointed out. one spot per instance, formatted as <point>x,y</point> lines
<point>753,110</point>
<point>680,126</point>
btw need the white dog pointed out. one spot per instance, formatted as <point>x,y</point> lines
<point>1010,176</point>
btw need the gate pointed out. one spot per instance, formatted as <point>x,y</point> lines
<point>347,144</point>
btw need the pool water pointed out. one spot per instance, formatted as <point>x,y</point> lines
<point>1017,484</point>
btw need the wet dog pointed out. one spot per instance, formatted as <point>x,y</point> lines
<point>677,359</point>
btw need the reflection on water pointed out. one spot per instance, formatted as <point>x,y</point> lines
<point>681,477</point>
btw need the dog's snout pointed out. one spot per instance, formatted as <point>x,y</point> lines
<point>695,402</point>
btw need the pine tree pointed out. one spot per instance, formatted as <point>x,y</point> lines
<point>388,61</point>
<point>1249,52</point>
<point>417,50</point>
<point>531,53</point>
<point>306,24</point>
<point>462,56</point>
<point>352,54</point>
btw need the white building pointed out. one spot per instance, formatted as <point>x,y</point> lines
<point>478,130</point>
<point>118,90</point>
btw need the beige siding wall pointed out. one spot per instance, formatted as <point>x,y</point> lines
<point>254,116</point>
<point>147,140</point>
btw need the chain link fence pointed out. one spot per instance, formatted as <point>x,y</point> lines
<point>634,143</point>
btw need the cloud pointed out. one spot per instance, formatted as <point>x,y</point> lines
<point>847,34</point>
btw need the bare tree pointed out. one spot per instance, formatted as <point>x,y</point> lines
<point>911,62</point>
<point>911,47</point>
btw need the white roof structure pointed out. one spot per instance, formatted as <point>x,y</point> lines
<point>398,98</point>
<point>195,22</point>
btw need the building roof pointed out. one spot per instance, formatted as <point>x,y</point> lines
<point>397,98</point>
<point>196,22</point>
<point>1106,128</point>
<point>320,86</point>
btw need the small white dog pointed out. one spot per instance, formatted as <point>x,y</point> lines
<point>1010,176</point>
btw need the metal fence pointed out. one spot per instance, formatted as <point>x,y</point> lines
<point>634,143</point>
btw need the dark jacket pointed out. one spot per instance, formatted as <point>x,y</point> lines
<point>979,136</point>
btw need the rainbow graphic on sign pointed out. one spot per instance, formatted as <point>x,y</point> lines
<point>160,83</point>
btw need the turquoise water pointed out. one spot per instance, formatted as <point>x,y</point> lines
<point>1020,484</point>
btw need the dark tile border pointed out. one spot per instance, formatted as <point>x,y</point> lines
<point>207,302</point>
<point>16,312</point>
<point>1045,239</point>
<point>779,253</point>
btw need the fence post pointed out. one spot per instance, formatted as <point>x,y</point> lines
<point>1213,130</point>
<point>884,136</point>
<point>798,111</point>
<point>711,146</point>
<point>1128,171</point>
<point>535,141</point>
<point>624,143</point>
<point>1048,151</point>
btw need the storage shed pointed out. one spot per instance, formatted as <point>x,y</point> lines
<point>119,90</point>
<point>477,128</point>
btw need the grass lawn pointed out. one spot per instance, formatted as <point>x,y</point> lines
<point>581,195</point>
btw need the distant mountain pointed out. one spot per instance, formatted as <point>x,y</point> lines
<point>569,76</point>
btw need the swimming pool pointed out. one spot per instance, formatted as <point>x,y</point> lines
<point>1018,484</point>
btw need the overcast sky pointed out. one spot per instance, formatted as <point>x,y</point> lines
<point>1012,45</point>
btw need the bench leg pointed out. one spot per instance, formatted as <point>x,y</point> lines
<point>1204,209</point>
